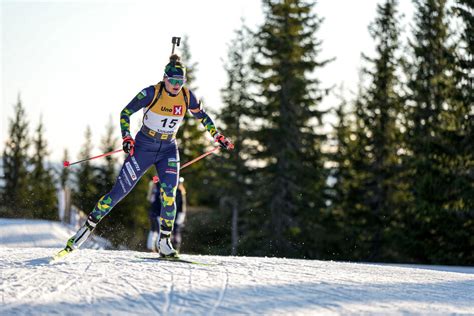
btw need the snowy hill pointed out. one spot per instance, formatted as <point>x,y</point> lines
<point>100,282</point>
<point>41,233</point>
<point>32,233</point>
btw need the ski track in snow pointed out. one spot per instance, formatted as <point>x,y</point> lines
<point>100,282</point>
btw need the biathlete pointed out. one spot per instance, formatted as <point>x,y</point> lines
<point>164,106</point>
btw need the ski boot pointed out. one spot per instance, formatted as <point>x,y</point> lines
<point>77,240</point>
<point>165,247</point>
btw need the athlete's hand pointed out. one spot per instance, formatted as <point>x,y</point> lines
<point>223,141</point>
<point>128,144</point>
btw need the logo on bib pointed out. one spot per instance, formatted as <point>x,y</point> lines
<point>177,109</point>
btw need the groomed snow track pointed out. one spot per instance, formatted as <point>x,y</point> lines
<point>100,282</point>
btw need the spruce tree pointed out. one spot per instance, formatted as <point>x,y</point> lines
<point>465,58</point>
<point>377,112</point>
<point>86,193</point>
<point>349,208</point>
<point>107,170</point>
<point>465,101</point>
<point>230,171</point>
<point>436,231</point>
<point>287,147</point>
<point>461,135</point>
<point>15,164</point>
<point>42,191</point>
<point>341,237</point>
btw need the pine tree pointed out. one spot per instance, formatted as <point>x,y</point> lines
<point>15,164</point>
<point>107,171</point>
<point>377,112</point>
<point>43,198</point>
<point>350,211</point>
<point>461,136</point>
<point>465,100</point>
<point>231,173</point>
<point>437,232</point>
<point>86,193</point>
<point>347,209</point>
<point>291,177</point>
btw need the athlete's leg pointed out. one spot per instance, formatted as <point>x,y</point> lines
<point>132,170</point>
<point>168,171</point>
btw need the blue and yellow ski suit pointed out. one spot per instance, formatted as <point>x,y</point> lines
<point>155,144</point>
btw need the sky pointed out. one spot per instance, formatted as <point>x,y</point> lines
<point>77,63</point>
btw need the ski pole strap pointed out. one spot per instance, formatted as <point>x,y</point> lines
<point>154,134</point>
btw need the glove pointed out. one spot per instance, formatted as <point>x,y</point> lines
<point>128,144</point>
<point>223,142</point>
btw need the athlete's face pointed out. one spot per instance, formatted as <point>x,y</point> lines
<point>174,84</point>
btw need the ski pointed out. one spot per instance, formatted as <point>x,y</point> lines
<point>70,244</point>
<point>61,254</point>
<point>176,259</point>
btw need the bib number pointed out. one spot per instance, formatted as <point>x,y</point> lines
<point>171,124</point>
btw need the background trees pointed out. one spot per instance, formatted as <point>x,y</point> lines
<point>433,117</point>
<point>286,147</point>
<point>15,163</point>
<point>391,181</point>
<point>368,186</point>
<point>42,188</point>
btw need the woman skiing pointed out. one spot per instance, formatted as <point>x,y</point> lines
<point>164,106</point>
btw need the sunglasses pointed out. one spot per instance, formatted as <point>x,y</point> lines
<point>174,81</point>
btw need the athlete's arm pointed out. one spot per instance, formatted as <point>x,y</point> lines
<point>143,99</point>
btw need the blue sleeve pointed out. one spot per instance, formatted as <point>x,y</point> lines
<point>141,100</point>
<point>193,102</point>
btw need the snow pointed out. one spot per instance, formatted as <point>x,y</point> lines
<point>41,233</point>
<point>33,233</point>
<point>106,282</point>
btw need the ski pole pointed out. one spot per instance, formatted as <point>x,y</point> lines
<point>67,163</point>
<point>199,158</point>
<point>156,179</point>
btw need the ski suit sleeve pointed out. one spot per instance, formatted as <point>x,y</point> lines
<point>196,109</point>
<point>143,99</point>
